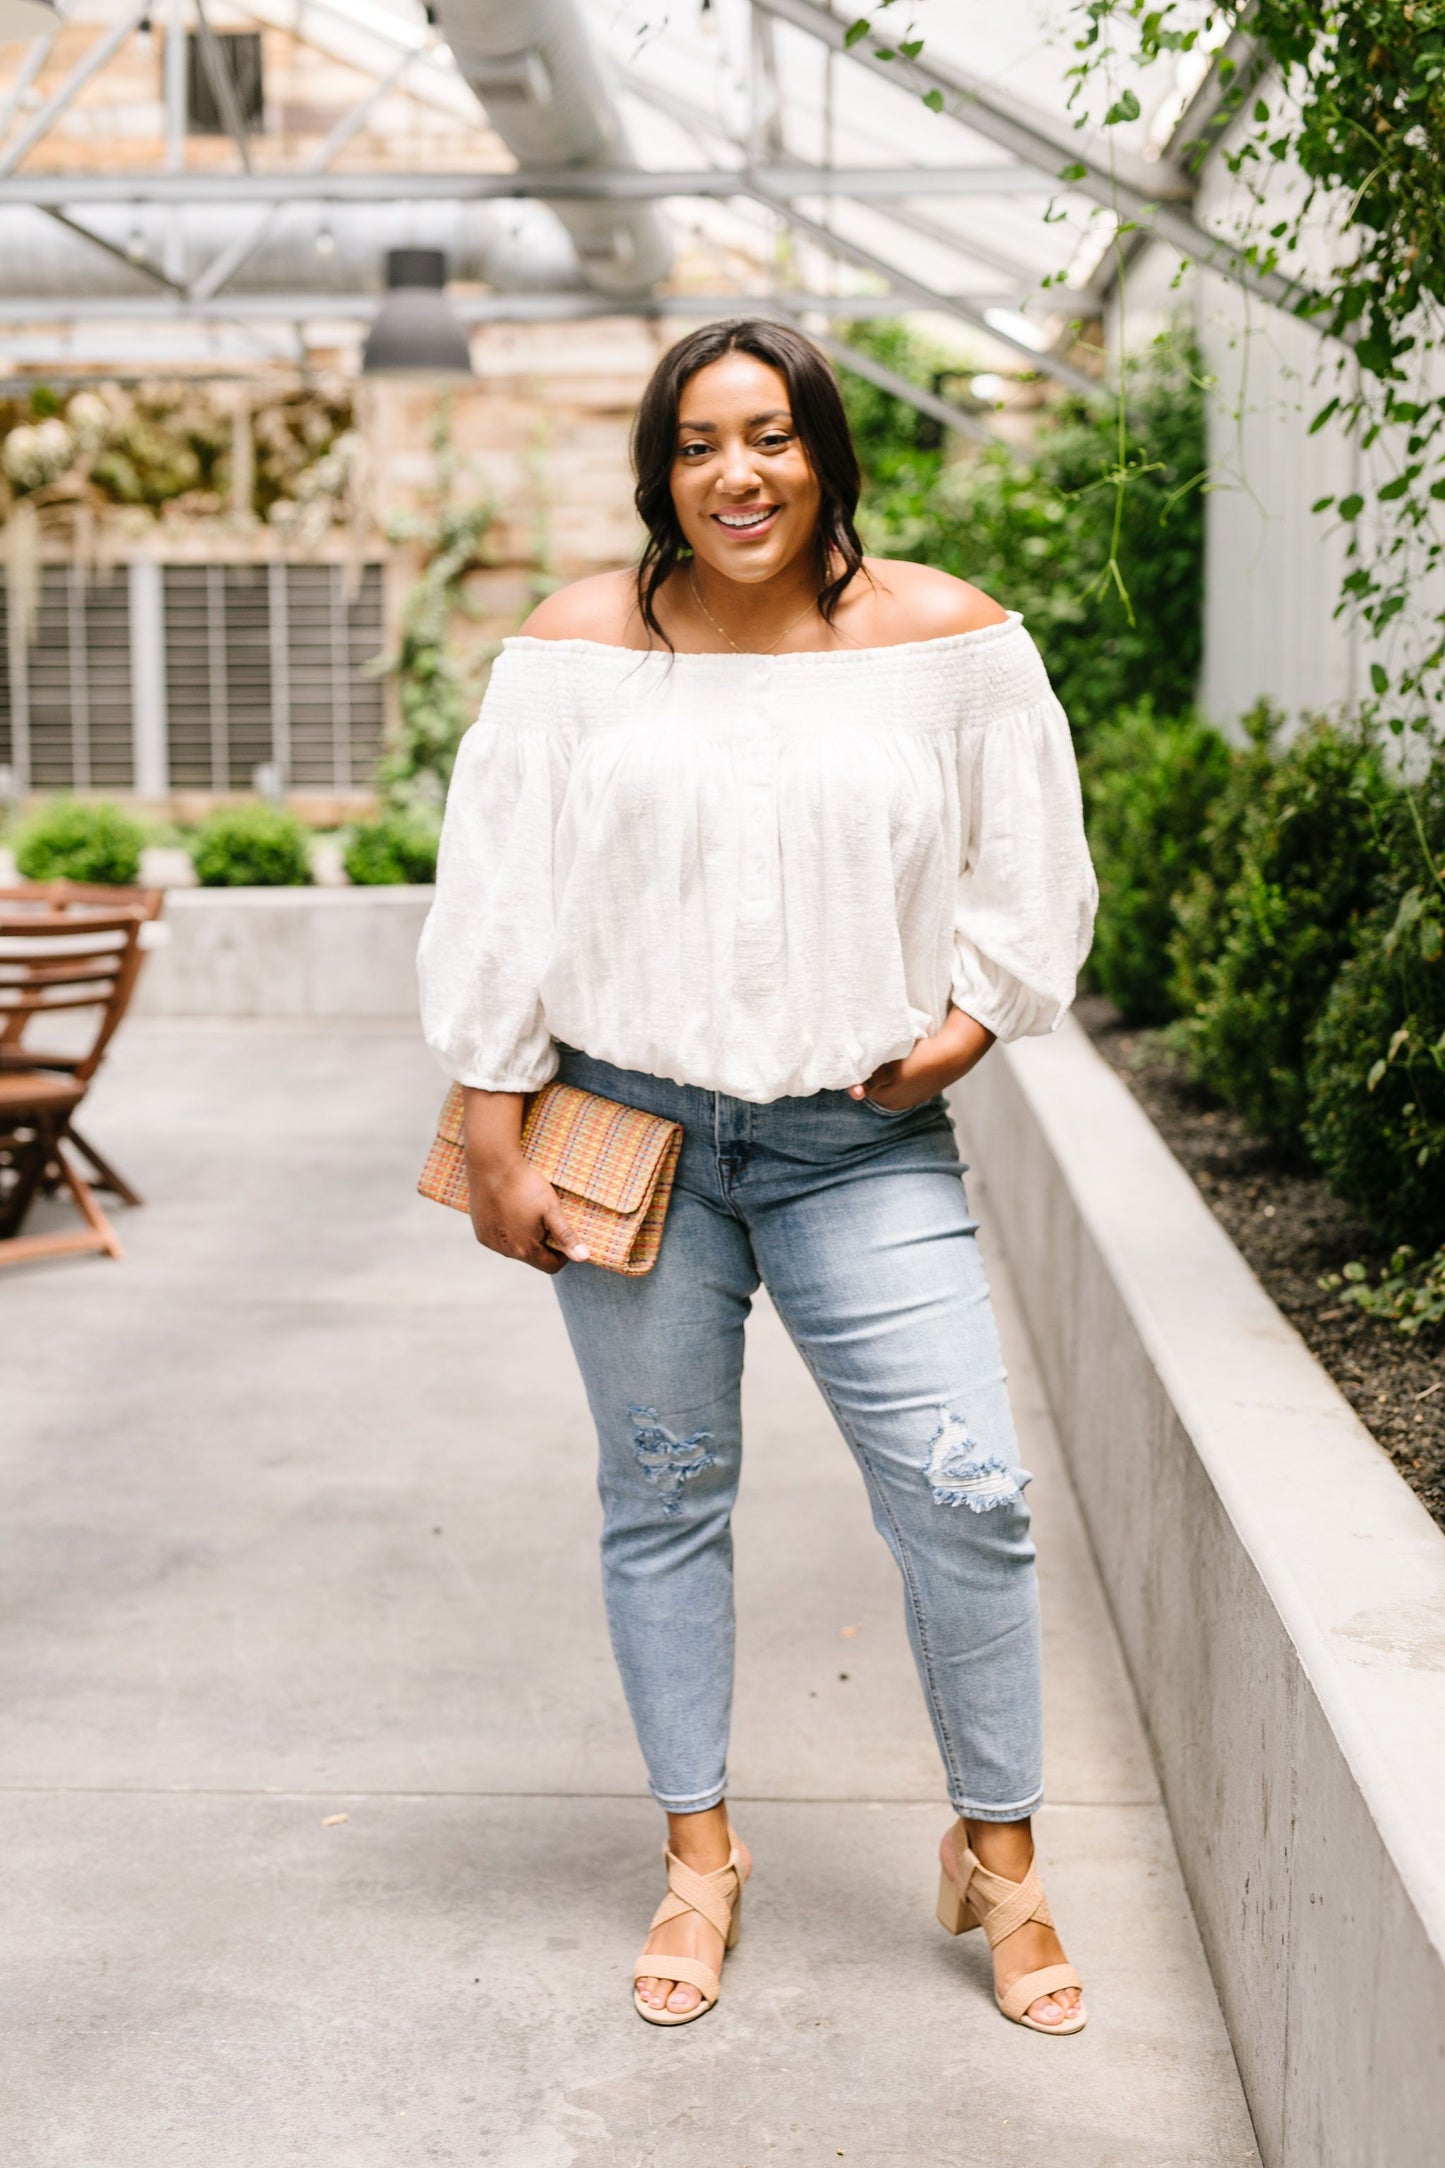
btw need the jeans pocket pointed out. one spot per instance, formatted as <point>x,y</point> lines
<point>889,1114</point>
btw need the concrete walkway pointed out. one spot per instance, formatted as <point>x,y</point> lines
<point>325,1837</point>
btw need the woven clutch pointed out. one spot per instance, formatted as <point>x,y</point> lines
<point>611,1165</point>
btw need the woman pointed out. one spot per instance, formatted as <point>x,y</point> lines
<point>773,839</point>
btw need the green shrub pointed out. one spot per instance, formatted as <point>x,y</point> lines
<point>1312,851</point>
<point>1199,908</point>
<point>1150,784</point>
<point>252,846</point>
<point>1038,533</point>
<point>399,847</point>
<point>1376,1122</point>
<point>72,840</point>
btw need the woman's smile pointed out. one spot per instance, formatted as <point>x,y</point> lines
<point>747,521</point>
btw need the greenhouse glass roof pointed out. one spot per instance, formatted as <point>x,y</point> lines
<point>781,161</point>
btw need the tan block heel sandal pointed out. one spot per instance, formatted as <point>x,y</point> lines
<point>982,1899</point>
<point>718,1897</point>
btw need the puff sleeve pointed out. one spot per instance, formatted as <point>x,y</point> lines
<point>1026,895</point>
<point>489,932</point>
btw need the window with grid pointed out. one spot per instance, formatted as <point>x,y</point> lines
<point>75,684</point>
<point>267,663</point>
<point>218,675</point>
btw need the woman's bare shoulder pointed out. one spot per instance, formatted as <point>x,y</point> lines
<point>602,608</point>
<point>919,602</point>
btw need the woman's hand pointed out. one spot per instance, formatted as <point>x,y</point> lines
<point>929,1066</point>
<point>514,1208</point>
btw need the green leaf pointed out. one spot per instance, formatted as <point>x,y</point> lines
<point>1261,110</point>
<point>911,48</point>
<point>933,99</point>
<point>1125,107</point>
<point>1374,1077</point>
<point>1352,506</point>
<point>1074,172</point>
<point>1380,679</point>
<point>1432,940</point>
<point>855,32</point>
<point>1322,504</point>
<point>1323,416</point>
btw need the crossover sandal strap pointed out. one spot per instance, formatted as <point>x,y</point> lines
<point>1002,1905</point>
<point>691,1970</point>
<point>1028,1989</point>
<point>711,1895</point>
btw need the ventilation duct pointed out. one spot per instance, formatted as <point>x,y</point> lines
<point>311,250</point>
<point>534,68</point>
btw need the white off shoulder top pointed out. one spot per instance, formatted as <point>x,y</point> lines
<point>761,874</point>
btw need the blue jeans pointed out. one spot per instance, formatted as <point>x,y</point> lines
<point>855,1219</point>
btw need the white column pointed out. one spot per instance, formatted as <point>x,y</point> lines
<point>280,675</point>
<point>18,661</point>
<point>148,678</point>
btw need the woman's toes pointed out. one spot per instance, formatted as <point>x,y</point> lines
<point>652,1992</point>
<point>1053,2009</point>
<point>683,1997</point>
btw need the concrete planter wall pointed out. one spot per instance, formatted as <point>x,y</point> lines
<point>1280,1595</point>
<point>285,952</point>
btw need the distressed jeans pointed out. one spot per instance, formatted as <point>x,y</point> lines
<point>855,1220</point>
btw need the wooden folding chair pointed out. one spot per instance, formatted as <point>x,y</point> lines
<point>63,894</point>
<point>58,959</point>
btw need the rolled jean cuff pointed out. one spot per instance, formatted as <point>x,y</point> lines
<point>695,1803</point>
<point>968,1810</point>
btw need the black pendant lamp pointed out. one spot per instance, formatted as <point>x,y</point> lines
<point>416,332</point>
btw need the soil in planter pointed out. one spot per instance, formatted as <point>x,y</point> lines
<point>1291,1230</point>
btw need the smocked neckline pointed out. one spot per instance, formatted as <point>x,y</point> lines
<point>943,643</point>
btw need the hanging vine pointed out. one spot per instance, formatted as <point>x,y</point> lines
<point>1337,160</point>
<point>436,693</point>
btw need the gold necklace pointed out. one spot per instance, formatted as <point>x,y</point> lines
<point>732,643</point>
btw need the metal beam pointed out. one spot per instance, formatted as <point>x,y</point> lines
<point>310,184</point>
<point>36,55</point>
<point>228,261</point>
<point>521,308</point>
<point>173,76</point>
<point>901,387</point>
<point>1154,196</point>
<point>141,265</point>
<point>1045,141</point>
<point>359,43</point>
<point>1195,135</point>
<point>89,64</point>
<point>927,297</point>
<point>685,114</point>
<point>222,85</point>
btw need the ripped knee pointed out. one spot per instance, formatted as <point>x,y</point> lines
<point>962,1473</point>
<point>667,1461</point>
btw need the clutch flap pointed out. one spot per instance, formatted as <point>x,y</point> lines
<point>595,1147</point>
<point>452,1117</point>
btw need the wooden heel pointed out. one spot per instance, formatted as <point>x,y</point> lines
<point>953,1913</point>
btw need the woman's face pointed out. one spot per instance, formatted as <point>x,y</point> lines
<point>746,496</point>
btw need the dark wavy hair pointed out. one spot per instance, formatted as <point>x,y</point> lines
<point>817,409</point>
